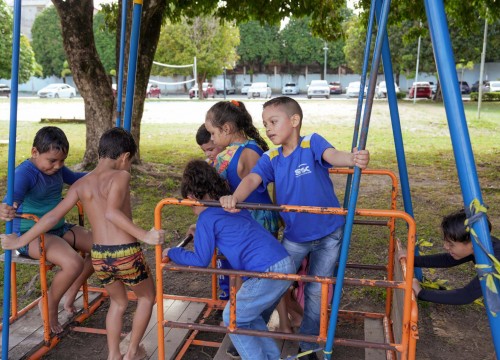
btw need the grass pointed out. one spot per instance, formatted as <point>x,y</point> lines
<point>165,148</point>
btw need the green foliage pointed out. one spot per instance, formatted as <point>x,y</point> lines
<point>213,44</point>
<point>47,42</point>
<point>259,44</point>
<point>488,96</point>
<point>105,39</point>
<point>27,63</point>
<point>300,47</point>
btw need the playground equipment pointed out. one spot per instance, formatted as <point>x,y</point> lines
<point>465,165</point>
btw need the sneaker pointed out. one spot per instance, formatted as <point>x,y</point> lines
<point>232,352</point>
<point>310,356</point>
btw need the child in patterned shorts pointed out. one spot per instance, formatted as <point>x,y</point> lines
<point>116,254</point>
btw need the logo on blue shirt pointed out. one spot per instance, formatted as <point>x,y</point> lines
<point>302,169</point>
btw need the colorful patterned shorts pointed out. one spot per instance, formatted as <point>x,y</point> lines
<point>125,263</point>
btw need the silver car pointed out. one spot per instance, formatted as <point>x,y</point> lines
<point>290,89</point>
<point>318,88</point>
<point>260,90</point>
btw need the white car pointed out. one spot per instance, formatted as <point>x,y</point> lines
<point>57,91</point>
<point>494,85</point>
<point>245,87</point>
<point>259,89</point>
<point>318,88</point>
<point>353,89</point>
<point>381,89</point>
<point>290,89</point>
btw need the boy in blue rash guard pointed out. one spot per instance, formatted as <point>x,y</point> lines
<point>247,246</point>
<point>37,190</point>
<point>299,169</point>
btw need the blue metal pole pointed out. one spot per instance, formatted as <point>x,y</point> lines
<point>337,294</point>
<point>464,157</point>
<point>396,127</point>
<point>366,58</point>
<point>120,65</point>
<point>16,37</point>
<point>132,63</point>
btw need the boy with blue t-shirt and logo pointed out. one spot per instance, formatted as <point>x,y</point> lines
<point>299,169</point>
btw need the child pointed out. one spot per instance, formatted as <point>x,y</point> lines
<point>37,190</point>
<point>207,145</point>
<point>116,255</point>
<point>458,244</point>
<point>247,246</point>
<point>299,169</point>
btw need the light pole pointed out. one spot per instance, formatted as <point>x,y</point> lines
<point>224,83</point>
<point>326,51</point>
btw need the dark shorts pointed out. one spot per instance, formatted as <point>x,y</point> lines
<point>125,263</point>
<point>57,232</point>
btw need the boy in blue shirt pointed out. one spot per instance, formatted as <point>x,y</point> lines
<point>299,169</point>
<point>247,246</point>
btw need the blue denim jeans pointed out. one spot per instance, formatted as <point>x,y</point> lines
<point>255,296</point>
<point>323,255</point>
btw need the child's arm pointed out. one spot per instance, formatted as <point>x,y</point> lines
<point>343,158</point>
<point>121,185</point>
<point>245,188</point>
<point>46,222</point>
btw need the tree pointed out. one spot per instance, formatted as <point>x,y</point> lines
<point>213,44</point>
<point>27,64</point>
<point>259,45</point>
<point>105,38</point>
<point>47,42</point>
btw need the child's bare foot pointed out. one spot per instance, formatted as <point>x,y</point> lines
<point>138,355</point>
<point>54,324</point>
<point>69,307</point>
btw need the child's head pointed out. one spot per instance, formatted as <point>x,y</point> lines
<point>457,240</point>
<point>51,138</point>
<point>203,138</point>
<point>227,118</point>
<point>115,142</point>
<point>200,179</point>
<point>50,149</point>
<point>282,116</point>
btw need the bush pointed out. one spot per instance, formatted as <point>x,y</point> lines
<point>488,96</point>
<point>401,95</point>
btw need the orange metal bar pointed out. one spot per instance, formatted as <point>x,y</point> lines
<point>403,347</point>
<point>206,343</point>
<point>214,277</point>
<point>159,287</point>
<point>192,337</point>
<point>13,289</point>
<point>232,303</point>
<point>323,316</point>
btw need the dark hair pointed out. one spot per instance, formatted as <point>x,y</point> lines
<point>291,106</point>
<point>116,141</point>
<point>202,135</point>
<point>199,178</point>
<point>235,113</point>
<point>51,138</point>
<point>453,227</point>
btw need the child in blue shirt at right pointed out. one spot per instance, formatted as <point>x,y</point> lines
<point>247,246</point>
<point>299,169</point>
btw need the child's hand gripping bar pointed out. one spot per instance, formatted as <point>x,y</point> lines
<point>183,243</point>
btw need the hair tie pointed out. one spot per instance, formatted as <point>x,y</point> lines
<point>235,102</point>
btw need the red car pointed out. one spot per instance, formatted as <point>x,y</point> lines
<point>424,90</point>
<point>335,87</point>
<point>153,90</point>
<point>207,88</point>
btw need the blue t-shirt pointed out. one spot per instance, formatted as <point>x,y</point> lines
<point>37,193</point>
<point>302,178</point>
<point>246,244</point>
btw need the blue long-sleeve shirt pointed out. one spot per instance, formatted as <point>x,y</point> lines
<point>461,296</point>
<point>244,242</point>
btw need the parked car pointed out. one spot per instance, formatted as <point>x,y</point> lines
<point>153,90</point>
<point>433,87</point>
<point>245,87</point>
<point>464,87</point>
<point>57,91</point>
<point>494,86</point>
<point>4,90</point>
<point>335,87</point>
<point>475,86</point>
<point>381,89</point>
<point>423,90</point>
<point>206,87</point>
<point>259,89</point>
<point>353,89</point>
<point>290,89</point>
<point>318,88</point>
<point>219,87</point>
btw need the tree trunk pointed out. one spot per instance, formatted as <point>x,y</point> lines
<point>89,73</point>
